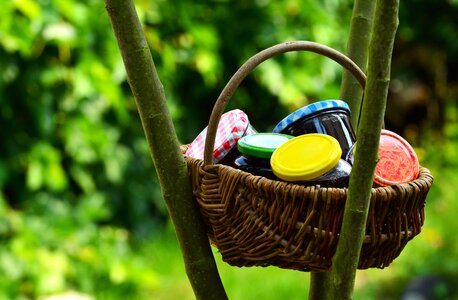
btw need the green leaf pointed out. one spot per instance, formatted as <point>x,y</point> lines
<point>34,175</point>
<point>28,7</point>
<point>83,178</point>
<point>53,266</point>
<point>45,169</point>
<point>61,32</point>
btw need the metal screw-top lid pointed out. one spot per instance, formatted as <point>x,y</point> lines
<point>397,163</point>
<point>306,157</point>
<point>232,126</point>
<point>261,145</point>
<point>310,109</point>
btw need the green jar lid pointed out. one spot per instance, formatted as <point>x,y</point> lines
<point>261,145</point>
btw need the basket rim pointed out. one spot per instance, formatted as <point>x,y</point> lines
<point>423,175</point>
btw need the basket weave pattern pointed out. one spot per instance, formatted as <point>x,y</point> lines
<point>255,221</point>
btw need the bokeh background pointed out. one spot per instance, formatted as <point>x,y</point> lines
<point>81,213</point>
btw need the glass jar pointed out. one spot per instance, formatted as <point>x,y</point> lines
<point>232,126</point>
<point>350,158</point>
<point>256,151</point>
<point>337,177</point>
<point>311,159</point>
<point>331,117</point>
<point>398,162</point>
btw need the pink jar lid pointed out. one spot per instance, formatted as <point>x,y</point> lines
<point>397,163</point>
<point>232,126</point>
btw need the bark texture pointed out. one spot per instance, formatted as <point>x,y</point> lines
<point>340,283</point>
<point>351,92</point>
<point>165,150</point>
<point>357,50</point>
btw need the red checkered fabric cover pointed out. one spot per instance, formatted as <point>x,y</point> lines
<point>233,125</point>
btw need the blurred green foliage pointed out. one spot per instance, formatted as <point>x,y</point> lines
<point>67,128</point>
<point>80,206</point>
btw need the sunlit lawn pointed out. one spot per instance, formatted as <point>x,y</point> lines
<point>276,283</point>
<point>240,283</point>
<point>430,253</point>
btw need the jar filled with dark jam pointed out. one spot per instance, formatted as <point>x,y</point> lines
<point>350,158</point>
<point>256,151</point>
<point>311,159</point>
<point>337,177</point>
<point>331,117</point>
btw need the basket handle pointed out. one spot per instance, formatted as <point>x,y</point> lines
<point>252,63</point>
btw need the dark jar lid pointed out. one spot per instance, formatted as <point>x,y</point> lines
<point>261,145</point>
<point>310,110</point>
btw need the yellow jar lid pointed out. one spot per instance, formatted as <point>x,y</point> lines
<point>305,157</point>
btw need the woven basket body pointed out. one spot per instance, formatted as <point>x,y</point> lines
<point>254,221</point>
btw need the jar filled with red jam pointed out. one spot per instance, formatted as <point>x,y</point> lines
<point>398,162</point>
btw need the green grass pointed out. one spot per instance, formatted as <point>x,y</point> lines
<point>433,252</point>
<point>240,283</point>
<point>275,283</point>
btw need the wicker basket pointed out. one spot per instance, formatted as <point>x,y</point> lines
<point>254,221</point>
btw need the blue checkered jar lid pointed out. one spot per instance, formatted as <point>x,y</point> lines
<point>309,110</point>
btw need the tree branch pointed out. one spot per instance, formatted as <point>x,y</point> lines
<point>165,150</point>
<point>357,49</point>
<point>352,93</point>
<point>345,260</point>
